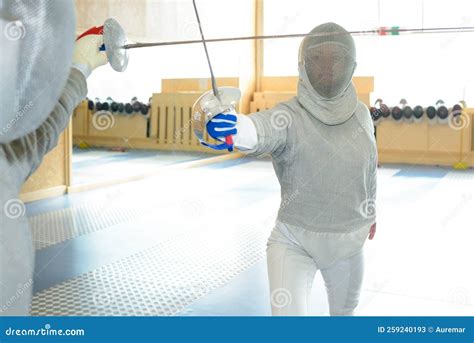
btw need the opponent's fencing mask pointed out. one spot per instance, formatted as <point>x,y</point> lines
<point>37,42</point>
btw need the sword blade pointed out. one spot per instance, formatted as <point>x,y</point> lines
<point>213,79</point>
<point>300,35</point>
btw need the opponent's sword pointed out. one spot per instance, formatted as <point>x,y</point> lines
<point>381,31</point>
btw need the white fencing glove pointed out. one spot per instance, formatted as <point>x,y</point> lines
<point>89,52</point>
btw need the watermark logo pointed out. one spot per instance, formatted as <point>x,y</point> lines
<point>458,120</point>
<point>103,120</point>
<point>281,297</point>
<point>190,29</point>
<point>459,295</point>
<point>14,30</point>
<point>14,208</point>
<point>22,288</point>
<point>367,208</point>
<point>102,298</point>
<point>17,118</point>
<point>281,120</point>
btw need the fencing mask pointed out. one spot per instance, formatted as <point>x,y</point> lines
<point>327,60</point>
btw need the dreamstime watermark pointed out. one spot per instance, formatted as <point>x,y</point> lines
<point>288,199</point>
<point>103,120</point>
<point>179,133</point>
<point>459,295</point>
<point>103,298</point>
<point>373,287</point>
<point>14,30</point>
<point>14,208</point>
<point>465,21</point>
<point>22,288</point>
<point>190,29</point>
<point>199,290</point>
<point>357,132</point>
<point>18,116</point>
<point>281,297</point>
<point>193,208</point>
<point>281,119</point>
<point>46,331</point>
<point>367,208</point>
<point>194,290</point>
<point>458,120</point>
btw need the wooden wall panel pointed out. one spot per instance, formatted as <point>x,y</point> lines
<point>53,176</point>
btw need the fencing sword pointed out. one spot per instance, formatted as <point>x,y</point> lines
<point>116,45</point>
<point>215,90</point>
<point>213,79</point>
<point>381,31</point>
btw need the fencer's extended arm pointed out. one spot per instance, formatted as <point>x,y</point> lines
<point>246,137</point>
<point>25,154</point>
<point>257,134</point>
<point>271,128</point>
<point>239,126</point>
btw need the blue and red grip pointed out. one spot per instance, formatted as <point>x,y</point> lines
<point>96,30</point>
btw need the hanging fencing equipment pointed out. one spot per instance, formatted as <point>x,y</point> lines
<point>144,108</point>
<point>431,113</point>
<point>458,109</point>
<point>120,107</point>
<point>383,108</point>
<point>106,105</point>
<point>90,104</point>
<point>128,108</point>
<point>375,114</point>
<point>418,112</point>
<point>442,111</point>
<point>113,104</point>
<point>397,113</point>
<point>407,111</point>
<point>136,105</point>
<point>98,105</point>
<point>385,111</point>
<point>379,111</point>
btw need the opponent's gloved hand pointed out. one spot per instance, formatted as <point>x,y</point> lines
<point>89,52</point>
<point>219,127</point>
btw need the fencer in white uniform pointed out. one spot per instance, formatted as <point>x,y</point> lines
<point>43,75</point>
<point>324,154</point>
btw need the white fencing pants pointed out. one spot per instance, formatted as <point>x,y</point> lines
<point>291,271</point>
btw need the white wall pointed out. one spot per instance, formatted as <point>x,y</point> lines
<point>421,68</point>
<point>168,20</point>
